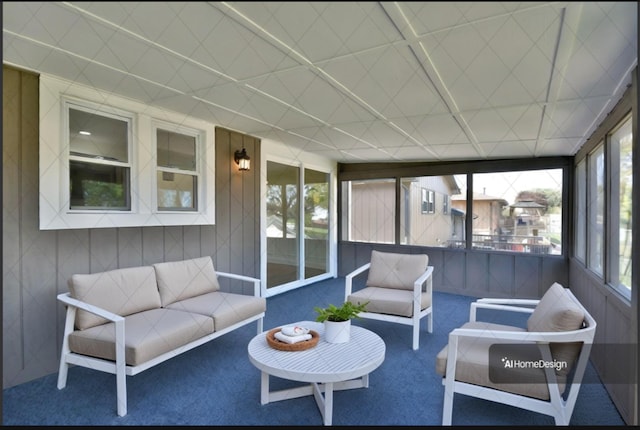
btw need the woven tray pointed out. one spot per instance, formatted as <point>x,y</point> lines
<point>283,346</point>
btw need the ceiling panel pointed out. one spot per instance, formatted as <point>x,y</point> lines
<point>352,81</point>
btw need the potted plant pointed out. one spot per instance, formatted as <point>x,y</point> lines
<point>337,320</point>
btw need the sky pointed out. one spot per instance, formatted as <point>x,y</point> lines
<point>507,185</point>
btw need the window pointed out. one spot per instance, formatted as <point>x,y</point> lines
<point>99,157</point>
<point>604,200</point>
<point>579,246</point>
<point>620,205</point>
<point>518,211</point>
<point>428,201</point>
<point>595,210</point>
<point>107,161</point>
<point>178,172</point>
<point>418,197</point>
<point>510,211</point>
<point>369,210</point>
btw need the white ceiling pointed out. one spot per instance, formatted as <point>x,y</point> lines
<point>355,82</point>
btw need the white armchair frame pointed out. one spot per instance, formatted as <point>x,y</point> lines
<point>557,407</point>
<point>424,283</point>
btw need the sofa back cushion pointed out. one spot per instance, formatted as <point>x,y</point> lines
<point>179,280</point>
<point>121,291</point>
<point>400,271</point>
<point>557,311</point>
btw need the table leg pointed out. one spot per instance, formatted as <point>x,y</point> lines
<point>264,388</point>
<point>328,403</point>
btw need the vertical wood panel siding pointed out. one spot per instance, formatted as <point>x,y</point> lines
<point>37,264</point>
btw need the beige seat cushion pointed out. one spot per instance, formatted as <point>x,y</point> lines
<point>388,300</point>
<point>557,311</point>
<point>226,309</point>
<point>472,364</point>
<point>121,291</point>
<point>179,280</point>
<point>400,271</point>
<point>148,334</point>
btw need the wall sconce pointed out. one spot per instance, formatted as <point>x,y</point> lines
<point>242,159</point>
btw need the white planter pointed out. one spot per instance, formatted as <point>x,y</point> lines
<point>337,332</point>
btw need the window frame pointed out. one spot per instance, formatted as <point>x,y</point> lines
<point>54,198</point>
<point>197,172</point>
<point>108,112</point>
<point>397,171</point>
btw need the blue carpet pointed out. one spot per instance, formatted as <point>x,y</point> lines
<point>215,384</point>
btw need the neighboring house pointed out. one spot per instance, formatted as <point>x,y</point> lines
<point>487,212</point>
<point>426,215</point>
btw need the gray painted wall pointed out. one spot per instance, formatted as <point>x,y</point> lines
<point>37,264</point>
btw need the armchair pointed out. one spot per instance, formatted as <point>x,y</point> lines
<point>398,289</point>
<point>559,330</point>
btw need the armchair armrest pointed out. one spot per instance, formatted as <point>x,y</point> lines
<point>510,305</point>
<point>348,284</point>
<point>417,285</point>
<point>580,335</point>
<point>256,282</point>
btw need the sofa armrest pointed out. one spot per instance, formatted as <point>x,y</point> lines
<point>96,310</point>
<point>256,282</point>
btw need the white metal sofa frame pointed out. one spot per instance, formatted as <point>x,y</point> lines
<point>425,279</point>
<point>119,367</point>
<point>557,407</point>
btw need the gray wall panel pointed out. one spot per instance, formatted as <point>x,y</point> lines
<point>191,241</point>
<point>130,247</point>
<point>152,245</point>
<point>501,275</point>
<point>477,275</point>
<point>527,277</point>
<point>104,249</point>
<point>173,243</point>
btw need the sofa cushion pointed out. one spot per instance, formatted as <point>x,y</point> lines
<point>121,291</point>
<point>472,364</point>
<point>226,309</point>
<point>388,301</point>
<point>148,334</point>
<point>400,271</point>
<point>179,280</point>
<point>557,311</point>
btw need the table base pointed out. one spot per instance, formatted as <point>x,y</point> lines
<point>322,392</point>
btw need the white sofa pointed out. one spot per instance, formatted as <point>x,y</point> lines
<point>125,321</point>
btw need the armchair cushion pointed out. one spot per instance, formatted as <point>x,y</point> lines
<point>121,291</point>
<point>556,311</point>
<point>179,280</point>
<point>472,364</point>
<point>400,271</point>
<point>389,301</point>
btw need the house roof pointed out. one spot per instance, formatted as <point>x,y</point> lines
<point>350,81</point>
<point>480,197</point>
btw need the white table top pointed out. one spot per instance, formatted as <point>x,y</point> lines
<point>326,362</point>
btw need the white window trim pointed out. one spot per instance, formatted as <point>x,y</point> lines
<point>54,163</point>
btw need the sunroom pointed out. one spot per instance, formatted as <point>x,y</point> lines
<point>289,140</point>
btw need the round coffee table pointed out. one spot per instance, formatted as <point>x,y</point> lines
<point>327,366</point>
